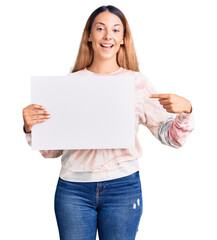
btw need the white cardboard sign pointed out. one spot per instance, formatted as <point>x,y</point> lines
<point>94,112</point>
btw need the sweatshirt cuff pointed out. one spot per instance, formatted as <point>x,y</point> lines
<point>185,117</point>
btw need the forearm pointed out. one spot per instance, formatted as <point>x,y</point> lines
<point>174,131</point>
<point>180,128</point>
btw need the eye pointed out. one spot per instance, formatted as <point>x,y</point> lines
<point>99,29</point>
<point>116,30</point>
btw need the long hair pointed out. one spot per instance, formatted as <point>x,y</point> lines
<point>126,55</point>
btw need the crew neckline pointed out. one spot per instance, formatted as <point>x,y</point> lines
<point>120,69</point>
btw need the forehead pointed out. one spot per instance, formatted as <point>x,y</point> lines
<point>107,18</point>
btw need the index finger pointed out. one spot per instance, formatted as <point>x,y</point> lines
<point>158,95</point>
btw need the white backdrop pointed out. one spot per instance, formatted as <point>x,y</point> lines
<point>176,47</point>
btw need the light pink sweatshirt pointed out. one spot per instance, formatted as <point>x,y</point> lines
<point>93,165</point>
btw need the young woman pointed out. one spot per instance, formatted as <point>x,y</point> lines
<point>100,188</point>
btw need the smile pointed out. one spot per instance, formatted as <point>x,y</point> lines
<point>106,46</point>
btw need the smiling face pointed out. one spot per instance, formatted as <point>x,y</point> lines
<point>106,35</point>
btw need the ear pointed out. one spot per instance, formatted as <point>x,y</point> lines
<point>122,42</point>
<point>89,39</point>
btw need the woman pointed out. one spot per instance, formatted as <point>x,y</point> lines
<point>100,188</point>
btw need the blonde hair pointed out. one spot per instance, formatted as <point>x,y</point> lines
<point>126,56</point>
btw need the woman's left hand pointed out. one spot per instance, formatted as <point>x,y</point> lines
<point>173,103</point>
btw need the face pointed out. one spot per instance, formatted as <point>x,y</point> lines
<point>106,35</point>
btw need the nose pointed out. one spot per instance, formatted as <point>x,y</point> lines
<point>107,35</point>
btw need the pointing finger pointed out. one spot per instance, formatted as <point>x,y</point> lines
<point>158,95</point>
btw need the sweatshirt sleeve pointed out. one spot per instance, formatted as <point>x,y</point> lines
<point>170,129</point>
<point>44,153</point>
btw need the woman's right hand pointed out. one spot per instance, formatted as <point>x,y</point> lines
<point>33,114</point>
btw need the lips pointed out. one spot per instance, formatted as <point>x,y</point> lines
<point>106,45</point>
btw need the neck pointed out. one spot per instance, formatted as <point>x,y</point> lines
<point>103,66</point>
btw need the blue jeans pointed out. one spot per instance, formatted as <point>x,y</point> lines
<point>114,207</point>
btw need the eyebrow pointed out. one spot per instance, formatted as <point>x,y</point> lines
<point>104,24</point>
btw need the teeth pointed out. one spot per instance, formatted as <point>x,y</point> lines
<point>105,45</point>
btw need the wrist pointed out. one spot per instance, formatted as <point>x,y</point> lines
<point>189,109</point>
<point>26,130</point>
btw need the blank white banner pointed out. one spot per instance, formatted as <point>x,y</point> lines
<point>94,112</point>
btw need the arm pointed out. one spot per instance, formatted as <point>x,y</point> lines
<point>174,132</point>
<point>32,115</point>
<point>159,117</point>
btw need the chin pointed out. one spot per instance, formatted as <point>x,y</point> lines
<point>108,56</point>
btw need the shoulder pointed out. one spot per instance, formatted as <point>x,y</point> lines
<point>139,77</point>
<point>142,83</point>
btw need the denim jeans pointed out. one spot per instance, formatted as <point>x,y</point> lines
<point>114,207</point>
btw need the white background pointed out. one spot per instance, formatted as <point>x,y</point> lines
<point>176,47</point>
